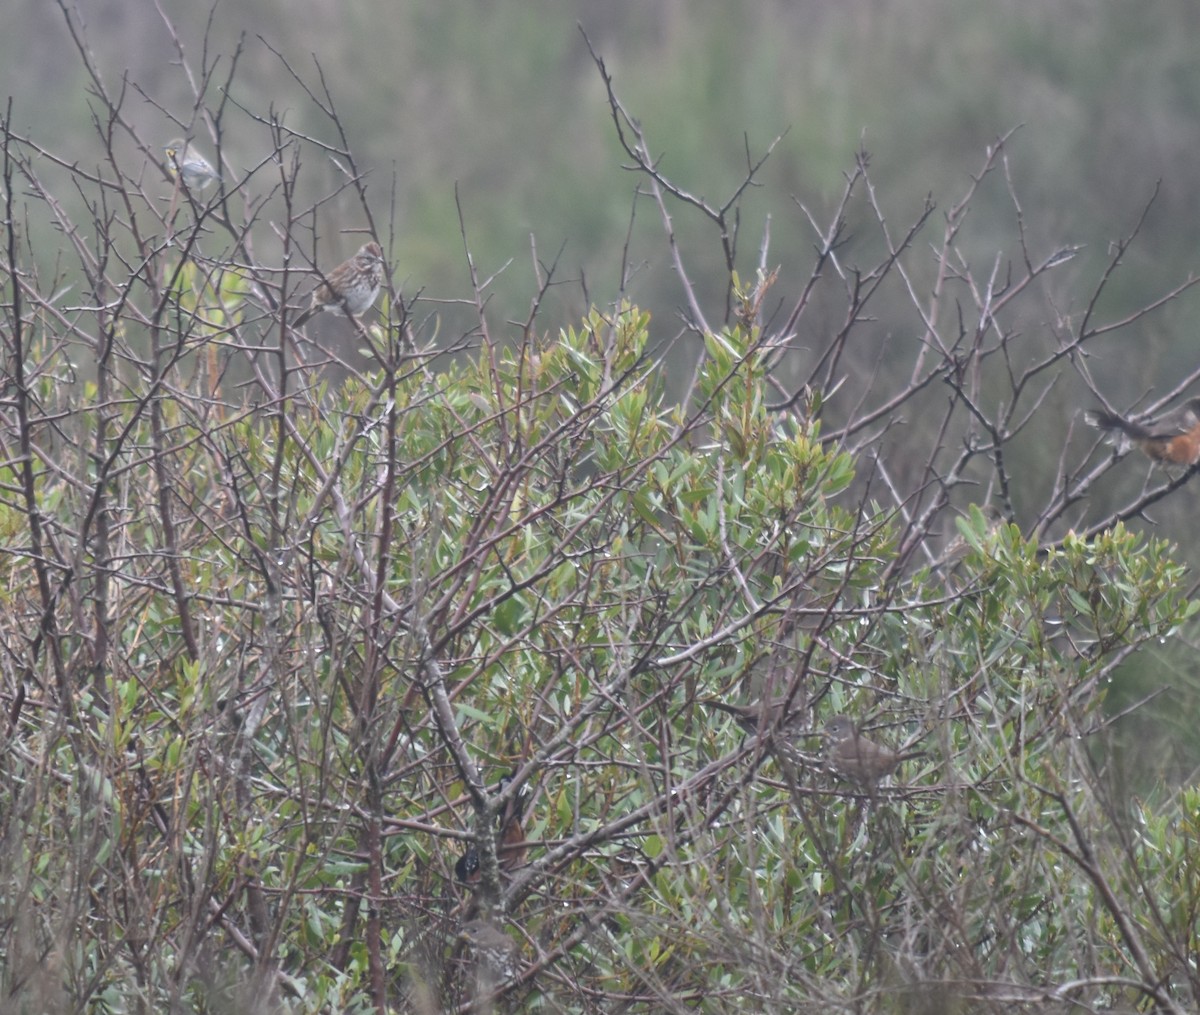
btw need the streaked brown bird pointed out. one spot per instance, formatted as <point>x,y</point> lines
<point>510,836</point>
<point>351,288</point>
<point>1173,438</point>
<point>761,715</point>
<point>857,758</point>
<point>497,958</point>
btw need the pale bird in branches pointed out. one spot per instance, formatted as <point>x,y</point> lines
<point>183,160</point>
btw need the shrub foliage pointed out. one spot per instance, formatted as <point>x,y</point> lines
<point>282,608</point>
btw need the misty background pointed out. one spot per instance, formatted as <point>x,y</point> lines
<point>498,108</point>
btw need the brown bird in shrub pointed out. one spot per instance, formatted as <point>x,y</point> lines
<point>351,288</point>
<point>497,958</point>
<point>857,758</point>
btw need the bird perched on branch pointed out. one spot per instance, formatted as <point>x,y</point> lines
<point>510,836</point>
<point>497,958</point>
<point>1173,438</point>
<point>351,288</point>
<point>861,760</point>
<point>184,161</point>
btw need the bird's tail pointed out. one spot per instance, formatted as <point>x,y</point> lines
<point>1115,425</point>
<point>722,706</point>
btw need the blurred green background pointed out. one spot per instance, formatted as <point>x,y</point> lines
<point>502,100</point>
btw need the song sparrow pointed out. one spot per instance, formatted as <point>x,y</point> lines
<point>857,758</point>
<point>183,160</point>
<point>497,959</point>
<point>351,287</point>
